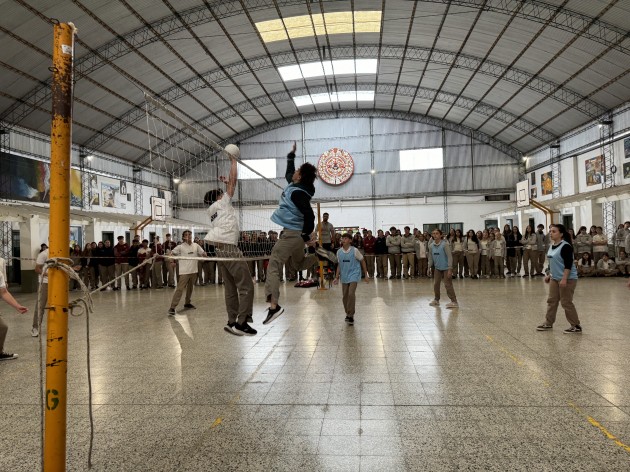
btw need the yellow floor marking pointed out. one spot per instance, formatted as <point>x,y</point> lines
<point>547,384</point>
<point>216,423</point>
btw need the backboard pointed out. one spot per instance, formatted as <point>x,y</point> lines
<point>522,193</point>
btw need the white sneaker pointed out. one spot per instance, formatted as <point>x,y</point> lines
<point>452,305</point>
<point>34,332</point>
<point>435,303</point>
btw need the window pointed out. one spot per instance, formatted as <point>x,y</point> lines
<point>421,159</point>
<point>264,167</point>
<point>491,224</point>
<point>444,227</point>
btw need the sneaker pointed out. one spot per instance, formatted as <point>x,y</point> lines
<point>250,319</point>
<point>349,320</point>
<point>7,356</point>
<point>452,305</point>
<point>273,314</point>
<point>171,312</point>
<point>435,303</point>
<point>543,327</point>
<point>326,254</point>
<point>229,327</point>
<point>244,329</point>
<point>34,332</point>
<point>190,306</point>
<point>573,329</point>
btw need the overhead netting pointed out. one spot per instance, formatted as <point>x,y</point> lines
<point>181,149</point>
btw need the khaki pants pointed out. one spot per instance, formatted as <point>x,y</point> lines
<point>564,296</point>
<point>168,273</point>
<point>381,265</point>
<point>499,270</point>
<point>408,261</point>
<point>239,287</point>
<point>107,274</point>
<point>349,298</point>
<point>542,255</point>
<point>370,260</point>
<point>135,276</point>
<point>530,257</point>
<point>473,263</point>
<point>120,269</point>
<point>394,265</point>
<point>438,275</point>
<point>423,265</point>
<point>185,282</point>
<point>3,333</point>
<point>289,246</point>
<point>484,263</point>
<point>156,275</point>
<point>41,308</point>
<point>458,263</point>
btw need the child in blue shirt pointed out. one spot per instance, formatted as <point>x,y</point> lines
<point>350,263</point>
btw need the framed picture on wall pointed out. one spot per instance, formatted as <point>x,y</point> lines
<point>626,170</point>
<point>594,170</point>
<point>533,178</point>
<point>626,148</point>
<point>533,193</point>
<point>546,183</point>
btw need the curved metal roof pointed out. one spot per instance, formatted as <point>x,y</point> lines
<point>518,73</point>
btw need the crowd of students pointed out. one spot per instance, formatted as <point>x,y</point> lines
<point>490,253</point>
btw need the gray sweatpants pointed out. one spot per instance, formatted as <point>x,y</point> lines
<point>289,246</point>
<point>239,287</point>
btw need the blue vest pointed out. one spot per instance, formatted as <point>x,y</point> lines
<point>287,215</point>
<point>440,259</point>
<point>556,263</point>
<point>349,266</point>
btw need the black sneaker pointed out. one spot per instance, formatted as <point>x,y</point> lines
<point>272,314</point>
<point>190,306</point>
<point>573,329</point>
<point>7,356</point>
<point>349,320</point>
<point>244,329</point>
<point>171,312</point>
<point>543,327</point>
<point>229,327</point>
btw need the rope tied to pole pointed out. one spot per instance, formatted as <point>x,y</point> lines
<point>83,305</point>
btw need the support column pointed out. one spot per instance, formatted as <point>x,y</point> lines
<point>609,209</point>
<point>57,333</point>
<point>554,153</point>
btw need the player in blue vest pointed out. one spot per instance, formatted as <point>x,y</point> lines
<point>350,262</point>
<point>296,217</point>
<point>440,266</point>
<point>562,279</point>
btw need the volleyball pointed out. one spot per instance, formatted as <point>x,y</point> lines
<point>233,150</point>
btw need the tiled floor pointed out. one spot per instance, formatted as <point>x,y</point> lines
<point>408,387</point>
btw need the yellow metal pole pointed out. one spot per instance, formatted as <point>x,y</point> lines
<point>322,286</point>
<point>57,336</point>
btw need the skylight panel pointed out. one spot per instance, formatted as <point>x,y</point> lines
<point>334,97</point>
<point>309,70</point>
<point>320,24</point>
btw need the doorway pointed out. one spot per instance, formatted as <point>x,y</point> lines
<point>567,221</point>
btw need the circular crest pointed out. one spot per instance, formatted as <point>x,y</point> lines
<point>335,166</point>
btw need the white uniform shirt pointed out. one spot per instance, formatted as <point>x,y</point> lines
<point>3,283</point>
<point>224,228</point>
<point>600,238</point>
<point>42,257</point>
<point>188,266</point>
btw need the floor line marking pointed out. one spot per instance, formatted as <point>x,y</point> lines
<point>548,384</point>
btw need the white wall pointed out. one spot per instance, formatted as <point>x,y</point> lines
<point>385,213</point>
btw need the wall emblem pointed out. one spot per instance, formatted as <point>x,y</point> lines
<point>335,166</point>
